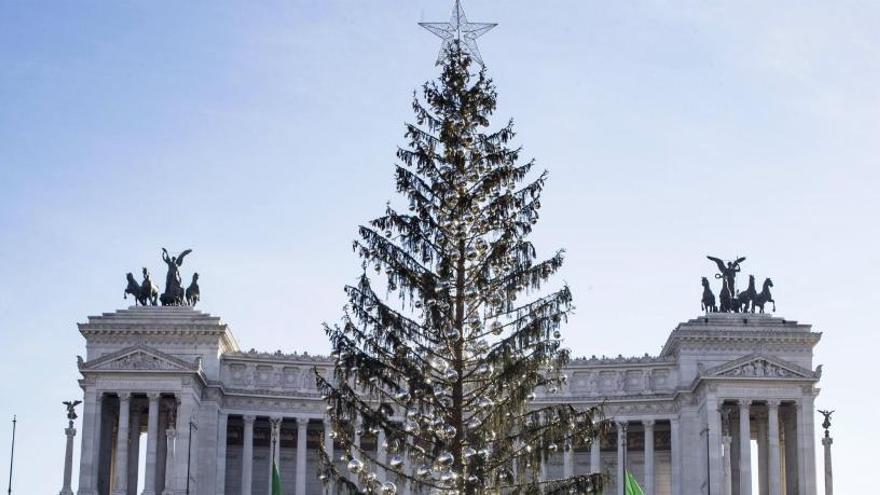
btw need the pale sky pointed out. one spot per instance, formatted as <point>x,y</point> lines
<point>260,134</point>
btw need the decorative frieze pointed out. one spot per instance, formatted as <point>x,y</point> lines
<point>138,358</point>
<point>758,366</point>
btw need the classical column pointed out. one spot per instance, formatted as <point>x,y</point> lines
<point>134,445</point>
<point>356,444</point>
<point>714,438</point>
<point>162,447</point>
<point>222,427</point>
<point>91,441</point>
<point>302,425</point>
<point>596,456</point>
<point>187,440</point>
<point>247,455</point>
<point>621,457</point>
<point>829,482</point>
<point>328,448</point>
<point>727,461</point>
<point>172,445</point>
<point>649,456</point>
<point>568,462</point>
<point>121,485</point>
<point>150,487</point>
<point>542,474</point>
<point>788,424</point>
<point>807,442</point>
<point>69,432</point>
<point>381,453</point>
<point>675,454</point>
<point>774,467</point>
<point>745,448</point>
<point>762,456</point>
<point>274,447</point>
<point>170,449</point>
<point>726,452</point>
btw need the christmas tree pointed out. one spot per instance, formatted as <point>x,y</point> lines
<point>455,366</point>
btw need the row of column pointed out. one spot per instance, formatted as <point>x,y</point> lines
<point>102,462</point>
<point>783,469</point>
<point>648,485</point>
<point>247,458</point>
<point>622,426</point>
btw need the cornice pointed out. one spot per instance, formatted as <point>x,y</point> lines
<point>156,323</point>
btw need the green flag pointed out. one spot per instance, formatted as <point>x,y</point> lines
<point>276,480</point>
<point>630,484</point>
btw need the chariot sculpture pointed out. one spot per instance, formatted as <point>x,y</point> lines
<point>147,293</point>
<point>731,300</point>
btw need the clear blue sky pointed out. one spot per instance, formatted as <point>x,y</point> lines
<point>261,134</point>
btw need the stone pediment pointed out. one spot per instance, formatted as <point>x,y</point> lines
<point>760,366</point>
<point>139,358</point>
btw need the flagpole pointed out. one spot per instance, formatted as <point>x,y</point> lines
<point>11,456</point>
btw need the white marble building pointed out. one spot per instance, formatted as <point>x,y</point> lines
<point>175,378</point>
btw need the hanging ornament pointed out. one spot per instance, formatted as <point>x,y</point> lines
<point>439,363</point>
<point>497,328</point>
<point>450,375</point>
<point>448,476</point>
<point>389,488</point>
<point>444,460</point>
<point>355,466</point>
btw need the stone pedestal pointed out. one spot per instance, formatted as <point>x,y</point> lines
<point>70,431</point>
<point>829,483</point>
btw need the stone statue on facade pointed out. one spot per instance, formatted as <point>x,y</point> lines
<point>174,294</point>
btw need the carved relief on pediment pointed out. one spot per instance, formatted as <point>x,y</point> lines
<point>140,360</point>
<point>761,367</point>
<point>758,368</point>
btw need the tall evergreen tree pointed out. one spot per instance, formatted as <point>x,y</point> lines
<point>448,363</point>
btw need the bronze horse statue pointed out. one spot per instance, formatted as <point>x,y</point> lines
<point>177,298</point>
<point>708,302</point>
<point>729,302</point>
<point>747,297</point>
<point>764,297</point>
<point>143,294</point>
<point>192,292</point>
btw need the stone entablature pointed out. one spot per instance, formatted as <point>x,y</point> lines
<point>178,331</point>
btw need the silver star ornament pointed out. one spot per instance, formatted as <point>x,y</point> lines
<point>459,29</point>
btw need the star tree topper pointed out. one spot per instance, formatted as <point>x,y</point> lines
<point>459,29</point>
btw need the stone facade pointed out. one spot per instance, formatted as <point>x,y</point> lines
<point>684,421</point>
